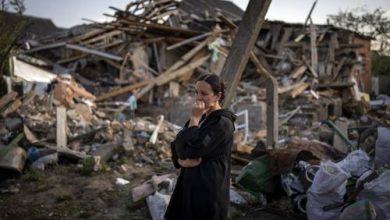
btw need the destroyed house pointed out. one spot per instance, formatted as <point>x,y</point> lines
<point>338,52</point>
<point>154,46</point>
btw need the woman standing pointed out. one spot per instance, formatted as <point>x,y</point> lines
<point>202,150</point>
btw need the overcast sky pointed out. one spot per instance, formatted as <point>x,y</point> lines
<point>67,13</point>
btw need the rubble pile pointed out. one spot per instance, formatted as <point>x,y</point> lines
<point>88,131</point>
<point>157,43</point>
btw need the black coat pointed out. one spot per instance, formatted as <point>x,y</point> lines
<point>202,192</point>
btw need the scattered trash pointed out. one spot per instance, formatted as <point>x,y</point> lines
<point>325,197</point>
<point>356,163</point>
<point>255,177</point>
<point>157,204</point>
<point>236,198</point>
<point>121,181</point>
<point>377,192</point>
<point>41,163</point>
<point>360,210</point>
<point>151,186</point>
<point>382,148</point>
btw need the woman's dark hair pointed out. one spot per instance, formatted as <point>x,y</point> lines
<point>216,84</point>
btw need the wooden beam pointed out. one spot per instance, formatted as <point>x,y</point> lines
<point>275,30</point>
<point>311,70</point>
<point>7,99</point>
<point>267,39</point>
<point>123,66</point>
<point>288,88</point>
<point>310,12</point>
<point>313,46</point>
<point>338,68</point>
<point>246,37</point>
<point>285,38</point>
<point>161,80</point>
<point>46,47</point>
<point>187,41</point>
<point>168,76</point>
<point>156,57</point>
<point>78,48</point>
<point>122,90</point>
<point>89,34</point>
<point>70,59</point>
<point>61,127</point>
<point>272,100</point>
<point>94,52</point>
<point>101,37</point>
<point>332,47</point>
<point>154,136</point>
<point>172,70</point>
<point>174,89</point>
<point>188,56</point>
<point>298,72</point>
<point>11,108</point>
<point>161,27</point>
<point>299,89</point>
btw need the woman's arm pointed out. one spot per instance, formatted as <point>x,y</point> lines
<point>178,163</point>
<point>174,156</point>
<point>196,142</point>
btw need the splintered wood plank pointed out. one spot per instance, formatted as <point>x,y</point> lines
<point>168,76</point>
<point>298,72</point>
<point>7,99</point>
<point>332,47</point>
<point>313,46</point>
<point>275,29</point>
<point>285,89</point>
<point>188,56</point>
<point>298,90</point>
<point>338,68</point>
<point>122,90</point>
<point>286,35</point>
<point>272,113</point>
<point>174,89</point>
<point>11,108</point>
<point>329,69</point>
<point>267,39</point>
<point>61,127</point>
<point>239,53</point>
<point>161,80</point>
<point>190,40</point>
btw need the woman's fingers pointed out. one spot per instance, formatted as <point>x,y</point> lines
<point>190,162</point>
<point>198,108</point>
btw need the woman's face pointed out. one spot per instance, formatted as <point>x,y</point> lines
<point>205,93</point>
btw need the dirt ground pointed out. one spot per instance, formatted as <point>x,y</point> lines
<point>71,192</point>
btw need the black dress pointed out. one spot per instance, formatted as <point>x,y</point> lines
<point>202,192</point>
